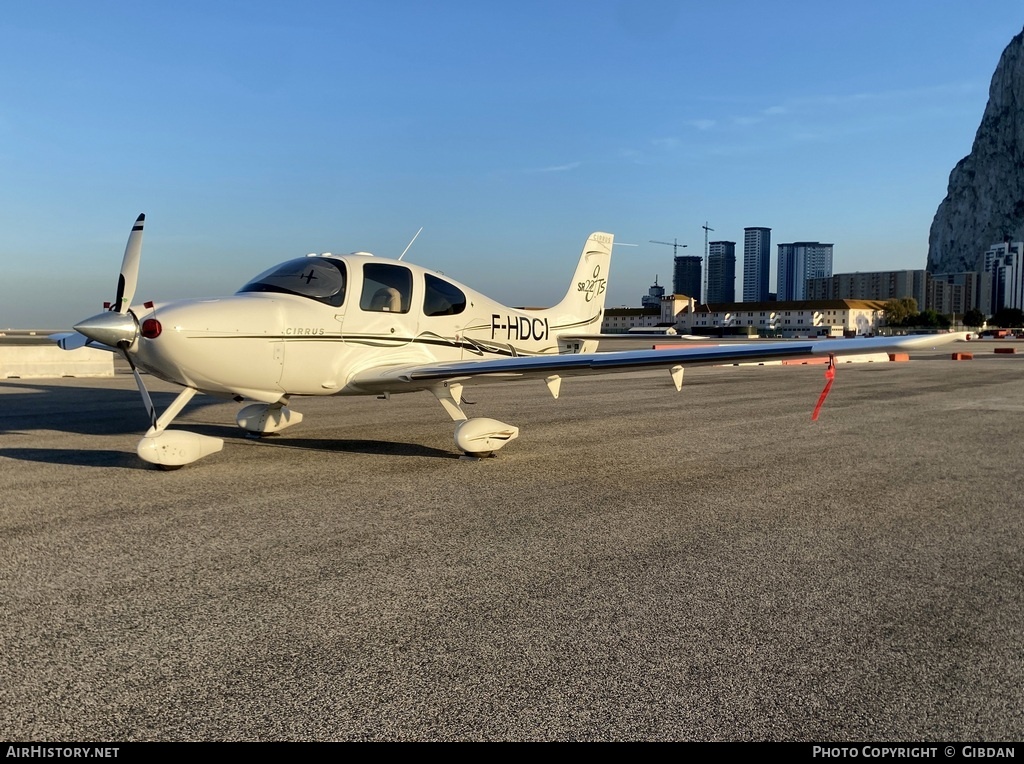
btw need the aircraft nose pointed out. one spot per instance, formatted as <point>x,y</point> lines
<point>110,328</point>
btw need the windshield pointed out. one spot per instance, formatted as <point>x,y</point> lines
<point>319,278</point>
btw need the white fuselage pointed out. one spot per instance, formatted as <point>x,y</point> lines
<point>311,325</point>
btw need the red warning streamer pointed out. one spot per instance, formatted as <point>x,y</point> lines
<point>830,375</point>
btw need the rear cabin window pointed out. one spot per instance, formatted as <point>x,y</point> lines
<point>386,288</point>
<point>442,298</point>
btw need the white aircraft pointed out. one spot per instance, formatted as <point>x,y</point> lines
<point>362,325</point>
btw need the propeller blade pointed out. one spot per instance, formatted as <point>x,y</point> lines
<point>129,277</point>
<point>69,340</point>
<point>146,400</point>
<point>150,408</point>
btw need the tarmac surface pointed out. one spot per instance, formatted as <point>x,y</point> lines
<point>640,565</point>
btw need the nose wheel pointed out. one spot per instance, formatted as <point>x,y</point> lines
<point>172,449</point>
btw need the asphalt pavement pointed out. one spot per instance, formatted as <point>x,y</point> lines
<point>640,565</point>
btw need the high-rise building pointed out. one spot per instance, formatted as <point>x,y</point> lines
<point>1005,265</point>
<point>953,294</point>
<point>721,272</point>
<point>686,278</point>
<point>800,261</point>
<point>757,262</point>
<point>946,293</point>
<point>871,285</point>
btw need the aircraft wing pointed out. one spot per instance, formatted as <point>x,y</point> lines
<point>424,376</point>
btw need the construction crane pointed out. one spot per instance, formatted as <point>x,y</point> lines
<point>706,229</point>
<point>674,244</point>
<point>675,255</point>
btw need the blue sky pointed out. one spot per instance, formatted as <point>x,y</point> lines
<point>252,132</point>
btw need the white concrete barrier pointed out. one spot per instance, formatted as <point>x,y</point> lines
<point>25,361</point>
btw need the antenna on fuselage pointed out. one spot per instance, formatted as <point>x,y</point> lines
<point>410,243</point>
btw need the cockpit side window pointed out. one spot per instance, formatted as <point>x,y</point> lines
<point>318,278</point>
<point>442,298</point>
<point>386,288</point>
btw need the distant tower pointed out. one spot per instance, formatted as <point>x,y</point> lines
<point>654,295</point>
<point>721,272</point>
<point>686,278</point>
<point>800,261</point>
<point>757,261</point>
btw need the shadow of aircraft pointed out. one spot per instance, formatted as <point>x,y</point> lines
<point>78,457</point>
<point>75,406</point>
<point>372,447</point>
<point>85,408</point>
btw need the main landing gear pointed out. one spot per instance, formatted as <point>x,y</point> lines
<point>478,437</point>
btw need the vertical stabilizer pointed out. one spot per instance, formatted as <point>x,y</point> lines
<point>582,307</point>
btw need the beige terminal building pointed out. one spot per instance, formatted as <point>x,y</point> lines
<point>799,318</point>
<point>845,304</point>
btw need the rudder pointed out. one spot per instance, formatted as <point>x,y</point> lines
<point>586,295</point>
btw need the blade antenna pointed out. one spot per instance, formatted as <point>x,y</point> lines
<point>410,243</point>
